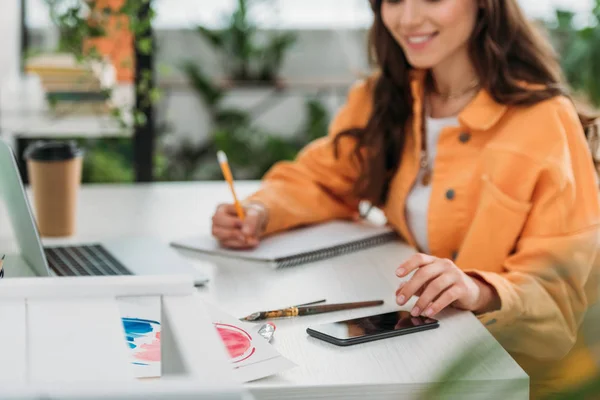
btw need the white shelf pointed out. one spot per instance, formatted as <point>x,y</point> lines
<point>24,112</point>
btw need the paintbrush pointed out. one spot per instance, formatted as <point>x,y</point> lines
<point>309,310</point>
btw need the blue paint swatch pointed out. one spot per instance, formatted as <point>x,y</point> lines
<point>136,328</point>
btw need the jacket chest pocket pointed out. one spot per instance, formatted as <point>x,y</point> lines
<point>494,231</point>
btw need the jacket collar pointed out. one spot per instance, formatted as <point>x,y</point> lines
<point>481,114</point>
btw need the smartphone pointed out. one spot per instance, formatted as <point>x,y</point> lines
<point>374,327</point>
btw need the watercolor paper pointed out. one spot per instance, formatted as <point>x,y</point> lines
<point>141,324</point>
<point>252,357</point>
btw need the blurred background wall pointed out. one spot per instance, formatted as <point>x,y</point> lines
<point>327,55</point>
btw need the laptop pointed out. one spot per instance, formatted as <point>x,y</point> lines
<point>130,256</point>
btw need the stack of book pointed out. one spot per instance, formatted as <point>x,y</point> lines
<point>70,87</point>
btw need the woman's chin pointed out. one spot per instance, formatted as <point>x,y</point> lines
<point>422,62</point>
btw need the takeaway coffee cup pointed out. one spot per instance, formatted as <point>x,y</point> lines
<point>54,171</point>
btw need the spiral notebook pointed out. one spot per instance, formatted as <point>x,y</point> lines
<point>301,245</point>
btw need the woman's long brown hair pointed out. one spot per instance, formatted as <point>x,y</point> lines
<point>505,49</point>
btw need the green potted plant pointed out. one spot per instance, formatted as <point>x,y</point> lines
<point>249,56</point>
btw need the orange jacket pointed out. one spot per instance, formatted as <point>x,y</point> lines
<point>514,200</point>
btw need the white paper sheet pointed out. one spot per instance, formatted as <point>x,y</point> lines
<point>141,323</point>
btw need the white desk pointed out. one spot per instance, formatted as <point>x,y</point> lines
<point>400,367</point>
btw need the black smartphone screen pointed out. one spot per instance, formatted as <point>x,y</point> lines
<point>372,327</point>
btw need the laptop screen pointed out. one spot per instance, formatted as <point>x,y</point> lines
<point>13,195</point>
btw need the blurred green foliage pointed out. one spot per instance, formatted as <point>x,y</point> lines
<point>249,59</point>
<point>251,149</point>
<point>249,54</point>
<point>579,49</point>
<point>107,160</point>
<point>105,166</point>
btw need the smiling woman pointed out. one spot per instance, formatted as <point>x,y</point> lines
<point>447,28</point>
<point>468,141</point>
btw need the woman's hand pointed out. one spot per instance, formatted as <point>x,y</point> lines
<point>439,283</point>
<point>234,233</point>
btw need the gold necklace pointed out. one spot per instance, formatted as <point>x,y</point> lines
<point>424,159</point>
<point>451,95</point>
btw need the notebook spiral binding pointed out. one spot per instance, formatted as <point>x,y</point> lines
<point>331,252</point>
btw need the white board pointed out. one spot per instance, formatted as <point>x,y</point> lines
<point>76,340</point>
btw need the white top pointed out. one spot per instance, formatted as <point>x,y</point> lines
<point>417,203</point>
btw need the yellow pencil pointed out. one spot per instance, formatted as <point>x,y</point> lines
<point>229,178</point>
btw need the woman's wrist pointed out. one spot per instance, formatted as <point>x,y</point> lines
<point>261,208</point>
<point>488,300</point>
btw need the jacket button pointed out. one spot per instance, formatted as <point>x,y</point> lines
<point>450,194</point>
<point>464,137</point>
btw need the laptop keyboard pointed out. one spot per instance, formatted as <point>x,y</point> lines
<point>87,260</point>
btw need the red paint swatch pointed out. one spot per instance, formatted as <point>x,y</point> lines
<point>237,341</point>
<point>150,352</point>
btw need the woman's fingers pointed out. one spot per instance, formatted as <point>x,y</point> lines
<point>226,209</point>
<point>433,290</point>
<point>418,280</point>
<point>226,234</point>
<point>445,299</point>
<point>414,262</point>
<point>400,288</point>
<point>227,221</point>
<point>227,228</point>
<point>239,244</point>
